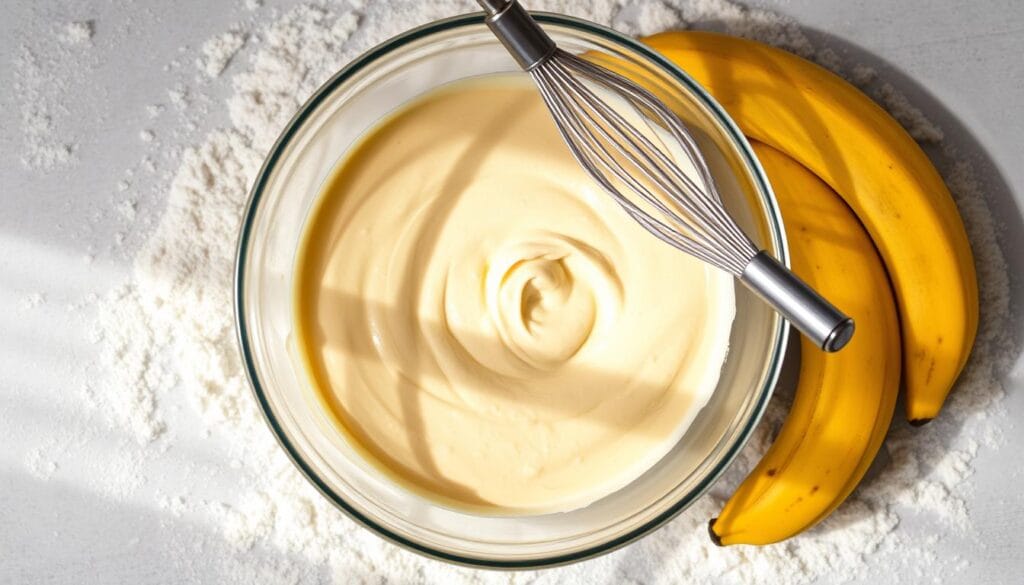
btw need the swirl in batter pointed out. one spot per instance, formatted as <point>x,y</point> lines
<point>488,327</point>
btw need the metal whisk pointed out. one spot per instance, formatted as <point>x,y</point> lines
<point>629,164</point>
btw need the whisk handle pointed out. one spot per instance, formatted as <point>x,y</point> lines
<point>808,311</point>
<point>515,28</point>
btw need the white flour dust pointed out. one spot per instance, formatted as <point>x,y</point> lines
<point>41,83</point>
<point>78,32</point>
<point>168,330</point>
<point>218,51</point>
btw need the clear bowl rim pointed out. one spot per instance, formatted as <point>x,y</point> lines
<point>776,233</point>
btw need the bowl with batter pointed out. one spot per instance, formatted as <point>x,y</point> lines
<point>462,341</point>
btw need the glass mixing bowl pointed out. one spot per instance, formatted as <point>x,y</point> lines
<point>376,83</point>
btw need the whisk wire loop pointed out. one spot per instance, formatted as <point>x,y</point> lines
<point>597,127</point>
<point>592,154</point>
<point>654,169</point>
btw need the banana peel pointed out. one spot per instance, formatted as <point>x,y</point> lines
<point>844,401</point>
<point>864,155</point>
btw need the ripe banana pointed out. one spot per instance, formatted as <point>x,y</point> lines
<point>852,144</point>
<point>844,401</point>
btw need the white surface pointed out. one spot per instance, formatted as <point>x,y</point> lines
<point>958,61</point>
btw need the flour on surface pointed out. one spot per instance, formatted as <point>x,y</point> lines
<point>39,464</point>
<point>41,96</point>
<point>31,301</point>
<point>169,329</point>
<point>862,75</point>
<point>78,32</point>
<point>218,51</point>
<point>913,119</point>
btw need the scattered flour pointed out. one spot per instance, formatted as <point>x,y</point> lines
<point>47,73</point>
<point>169,330</point>
<point>39,464</point>
<point>78,33</point>
<point>218,51</point>
<point>179,97</point>
<point>43,149</point>
<point>42,94</point>
<point>32,301</point>
<point>862,74</point>
<point>919,126</point>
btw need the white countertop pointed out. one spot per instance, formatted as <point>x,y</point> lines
<point>960,62</point>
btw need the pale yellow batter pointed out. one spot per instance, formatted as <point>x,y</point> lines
<point>486,324</point>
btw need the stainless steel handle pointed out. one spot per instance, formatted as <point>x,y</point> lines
<point>516,29</point>
<point>808,311</point>
<point>492,7</point>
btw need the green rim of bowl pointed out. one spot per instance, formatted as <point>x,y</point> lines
<point>365,60</point>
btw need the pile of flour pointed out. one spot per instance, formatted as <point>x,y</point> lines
<point>169,329</point>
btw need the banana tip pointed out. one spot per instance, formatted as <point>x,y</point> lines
<point>714,535</point>
<point>919,422</point>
